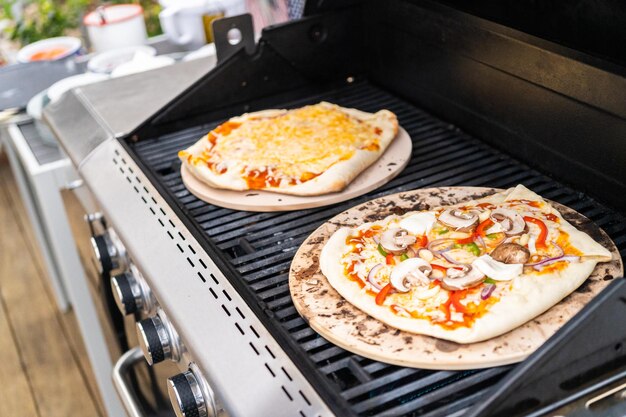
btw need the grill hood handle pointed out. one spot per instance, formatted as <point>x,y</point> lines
<point>126,393</point>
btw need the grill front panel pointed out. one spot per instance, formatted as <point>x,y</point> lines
<point>260,246</point>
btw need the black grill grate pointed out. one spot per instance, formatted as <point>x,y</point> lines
<point>261,246</point>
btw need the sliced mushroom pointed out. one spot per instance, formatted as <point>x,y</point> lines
<point>461,279</point>
<point>396,240</point>
<point>484,215</point>
<point>418,223</point>
<point>458,219</point>
<point>412,272</point>
<point>512,223</point>
<point>497,270</point>
<point>511,253</point>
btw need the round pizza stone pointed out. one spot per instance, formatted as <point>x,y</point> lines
<point>344,325</point>
<point>386,168</point>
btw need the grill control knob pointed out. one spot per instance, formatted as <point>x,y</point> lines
<point>158,340</point>
<point>189,396</point>
<point>131,293</point>
<point>127,293</point>
<point>109,252</point>
<point>154,340</point>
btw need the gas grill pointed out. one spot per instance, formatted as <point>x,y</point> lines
<point>484,105</point>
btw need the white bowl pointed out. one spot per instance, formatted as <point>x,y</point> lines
<point>106,62</point>
<point>57,89</point>
<point>69,44</point>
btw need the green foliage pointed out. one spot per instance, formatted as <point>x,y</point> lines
<point>48,18</point>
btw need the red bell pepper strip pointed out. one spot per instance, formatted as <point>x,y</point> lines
<point>446,308</point>
<point>456,297</point>
<point>465,240</point>
<point>389,259</point>
<point>543,230</point>
<point>382,294</point>
<point>482,227</point>
<point>480,231</point>
<point>440,268</point>
<point>455,300</point>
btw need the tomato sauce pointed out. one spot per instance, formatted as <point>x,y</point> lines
<point>471,312</point>
<point>213,167</point>
<point>371,147</point>
<point>225,128</point>
<point>211,138</point>
<point>353,276</point>
<point>260,179</point>
<point>552,217</point>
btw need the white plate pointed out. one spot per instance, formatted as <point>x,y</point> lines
<point>142,63</point>
<point>106,62</point>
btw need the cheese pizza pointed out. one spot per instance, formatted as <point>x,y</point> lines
<point>464,273</point>
<point>311,150</point>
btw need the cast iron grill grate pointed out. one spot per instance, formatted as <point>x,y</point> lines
<point>261,246</point>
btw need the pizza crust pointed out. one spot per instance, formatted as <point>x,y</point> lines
<point>333,179</point>
<point>532,295</point>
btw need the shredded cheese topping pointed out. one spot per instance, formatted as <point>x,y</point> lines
<point>287,149</point>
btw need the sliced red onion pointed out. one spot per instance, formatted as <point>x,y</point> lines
<point>487,291</point>
<point>376,239</point>
<point>559,248</point>
<point>399,309</point>
<point>372,274</point>
<point>436,242</point>
<point>450,259</point>
<point>541,262</point>
<point>550,261</point>
<point>481,242</point>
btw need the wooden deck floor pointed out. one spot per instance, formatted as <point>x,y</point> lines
<point>44,368</point>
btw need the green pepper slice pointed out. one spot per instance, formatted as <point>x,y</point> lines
<point>381,250</point>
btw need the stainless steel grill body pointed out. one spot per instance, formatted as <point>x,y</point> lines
<point>221,275</point>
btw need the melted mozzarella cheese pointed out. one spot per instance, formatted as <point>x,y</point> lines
<point>532,247</point>
<point>496,270</point>
<point>419,223</point>
<point>307,140</point>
